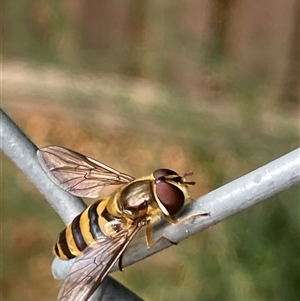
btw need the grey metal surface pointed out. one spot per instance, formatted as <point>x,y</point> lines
<point>18,147</point>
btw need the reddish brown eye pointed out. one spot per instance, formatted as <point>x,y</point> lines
<point>171,197</point>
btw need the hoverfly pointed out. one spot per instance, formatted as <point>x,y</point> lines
<point>98,236</point>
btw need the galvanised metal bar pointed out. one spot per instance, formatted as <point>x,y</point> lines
<point>18,147</point>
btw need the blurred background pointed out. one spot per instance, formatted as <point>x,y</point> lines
<point>208,86</point>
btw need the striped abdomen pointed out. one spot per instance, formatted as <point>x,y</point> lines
<point>82,231</point>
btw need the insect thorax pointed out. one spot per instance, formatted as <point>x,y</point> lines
<point>132,200</point>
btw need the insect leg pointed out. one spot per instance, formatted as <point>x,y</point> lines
<point>151,244</point>
<point>191,217</point>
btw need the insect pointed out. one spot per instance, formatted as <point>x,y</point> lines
<point>98,237</point>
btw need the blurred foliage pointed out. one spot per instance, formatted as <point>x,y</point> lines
<point>122,104</point>
<point>187,45</point>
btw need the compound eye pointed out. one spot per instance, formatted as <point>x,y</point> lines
<point>171,197</point>
<point>163,172</point>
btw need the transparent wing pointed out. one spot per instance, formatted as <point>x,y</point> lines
<point>78,174</point>
<point>91,267</point>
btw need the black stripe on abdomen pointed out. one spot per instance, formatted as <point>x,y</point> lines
<point>77,234</point>
<point>64,245</point>
<point>94,221</point>
<point>56,251</point>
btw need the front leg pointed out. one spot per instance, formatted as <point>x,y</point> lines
<point>178,222</point>
<point>151,244</point>
<point>172,221</point>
